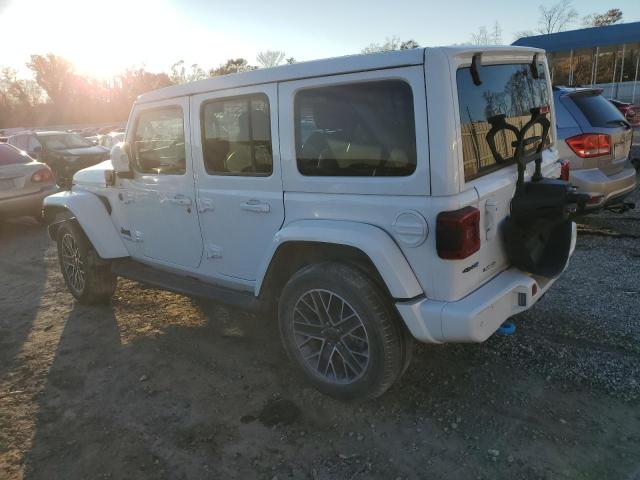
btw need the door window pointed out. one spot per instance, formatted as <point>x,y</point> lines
<point>362,129</point>
<point>158,145</point>
<point>237,136</point>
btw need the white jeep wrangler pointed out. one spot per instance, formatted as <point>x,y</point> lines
<point>367,198</point>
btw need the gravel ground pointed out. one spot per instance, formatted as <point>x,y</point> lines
<point>161,386</point>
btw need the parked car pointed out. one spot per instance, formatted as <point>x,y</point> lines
<point>596,139</point>
<point>107,130</point>
<point>24,183</point>
<point>628,110</point>
<point>110,139</point>
<point>64,152</point>
<point>365,198</point>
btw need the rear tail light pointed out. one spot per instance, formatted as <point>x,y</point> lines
<point>564,171</point>
<point>589,145</point>
<point>458,233</point>
<point>42,175</point>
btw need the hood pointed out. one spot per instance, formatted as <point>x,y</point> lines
<point>94,175</point>
<point>82,151</point>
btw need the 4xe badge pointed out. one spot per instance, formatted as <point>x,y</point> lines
<point>470,267</point>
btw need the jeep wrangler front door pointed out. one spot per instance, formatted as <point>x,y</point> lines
<point>160,198</point>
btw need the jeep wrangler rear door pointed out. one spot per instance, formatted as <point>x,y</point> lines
<point>237,164</point>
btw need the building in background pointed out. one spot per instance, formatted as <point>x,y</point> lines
<point>607,57</point>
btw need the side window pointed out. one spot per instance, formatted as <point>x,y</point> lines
<point>19,141</point>
<point>24,142</point>
<point>158,144</point>
<point>356,130</point>
<point>237,136</point>
<point>33,143</point>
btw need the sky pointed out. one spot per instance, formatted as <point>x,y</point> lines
<point>104,37</point>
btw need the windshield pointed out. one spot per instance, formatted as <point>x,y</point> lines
<point>508,90</point>
<point>11,156</point>
<point>61,141</point>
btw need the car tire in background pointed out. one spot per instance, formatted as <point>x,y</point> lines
<point>88,278</point>
<point>339,327</point>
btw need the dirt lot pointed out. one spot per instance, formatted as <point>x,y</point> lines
<point>161,386</point>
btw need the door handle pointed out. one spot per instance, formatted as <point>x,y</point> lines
<point>181,200</point>
<point>255,206</point>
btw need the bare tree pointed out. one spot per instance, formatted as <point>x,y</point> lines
<point>610,17</point>
<point>523,34</point>
<point>390,43</point>
<point>557,17</point>
<point>233,65</point>
<point>179,73</point>
<point>485,37</point>
<point>270,58</point>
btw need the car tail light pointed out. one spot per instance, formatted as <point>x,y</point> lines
<point>42,175</point>
<point>458,233</point>
<point>590,145</point>
<point>565,168</point>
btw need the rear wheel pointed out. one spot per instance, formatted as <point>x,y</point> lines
<point>87,276</point>
<point>341,330</point>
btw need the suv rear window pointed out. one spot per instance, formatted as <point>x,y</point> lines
<point>12,156</point>
<point>510,90</point>
<point>356,130</point>
<point>599,111</point>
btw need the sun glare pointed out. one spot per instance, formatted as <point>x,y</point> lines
<point>102,39</point>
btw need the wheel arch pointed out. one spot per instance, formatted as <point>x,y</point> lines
<point>92,216</point>
<point>366,246</point>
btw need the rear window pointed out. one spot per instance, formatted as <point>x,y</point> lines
<point>508,90</point>
<point>11,156</point>
<point>356,130</point>
<point>599,111</point>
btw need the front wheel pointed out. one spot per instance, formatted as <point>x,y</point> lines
<point>341,330</point>
<point>88,278</point>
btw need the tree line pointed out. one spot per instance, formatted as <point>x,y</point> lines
<point>57,94</point>
<point>552,19</point>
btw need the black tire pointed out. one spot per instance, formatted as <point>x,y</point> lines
<point>98,283</point>
<point>378,347</point>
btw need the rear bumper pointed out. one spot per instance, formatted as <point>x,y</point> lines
<point>478,315</point>
<point>606,188</point>
<point>30,204</point>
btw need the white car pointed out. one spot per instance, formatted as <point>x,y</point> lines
<point>373,200</point>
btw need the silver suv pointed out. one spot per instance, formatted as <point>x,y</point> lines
<point>596,139</point>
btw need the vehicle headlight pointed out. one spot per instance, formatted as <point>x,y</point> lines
<point>71,158</point>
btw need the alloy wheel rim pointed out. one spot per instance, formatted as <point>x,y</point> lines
<point>330,336</point>
<point>72,262</point>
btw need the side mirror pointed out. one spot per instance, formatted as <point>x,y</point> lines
<point>120,160</point>
<point>35,153</point>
